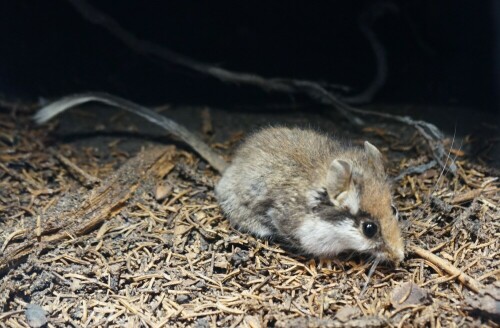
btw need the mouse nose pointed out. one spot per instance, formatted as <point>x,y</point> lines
<point>397,255</point>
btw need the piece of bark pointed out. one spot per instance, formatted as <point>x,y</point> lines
<point>486,304</point>
<point>409,294</point>
<point>77,214</point>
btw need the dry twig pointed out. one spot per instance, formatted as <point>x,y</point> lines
<point>466,280</point>
<point>83,177</point>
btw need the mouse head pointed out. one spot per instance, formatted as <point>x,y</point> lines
<point>357,214</point>
<point>358,187</point>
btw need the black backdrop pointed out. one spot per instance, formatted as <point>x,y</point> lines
<point>439,52</point>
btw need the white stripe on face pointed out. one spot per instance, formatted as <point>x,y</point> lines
<point>322,238</point>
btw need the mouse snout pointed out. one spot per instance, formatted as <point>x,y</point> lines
<point>393,245</point>
<point>395,254</point>
<point>399,256</point>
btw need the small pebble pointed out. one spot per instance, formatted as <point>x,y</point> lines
<point>162,192</point>
<point>36,316</point>
<point>202,323</point>
<point>181,299</point>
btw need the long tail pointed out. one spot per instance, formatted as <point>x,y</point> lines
<point>57,107</point>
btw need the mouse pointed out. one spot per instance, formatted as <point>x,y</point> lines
<point>302,187</point>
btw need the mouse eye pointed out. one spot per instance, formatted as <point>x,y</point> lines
<point>395,211</point>
<point>370,229</point>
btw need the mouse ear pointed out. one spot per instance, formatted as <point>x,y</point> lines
<point>374,156</point>
<point>340,186</point>
<point>339,177</point>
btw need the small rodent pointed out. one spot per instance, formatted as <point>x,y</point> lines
<point>295,185</point>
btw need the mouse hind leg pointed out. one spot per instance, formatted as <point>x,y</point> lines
<point>247,216</point>
<point>244,200</point>
<point>254,226</point>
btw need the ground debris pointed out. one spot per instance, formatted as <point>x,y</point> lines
<point>76,214</point>
<point>363,322</point>
<point>122,252</point>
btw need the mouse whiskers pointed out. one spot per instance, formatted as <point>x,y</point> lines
<point>376,261</point>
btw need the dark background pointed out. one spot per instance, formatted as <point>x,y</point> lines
<point>440,53</point>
